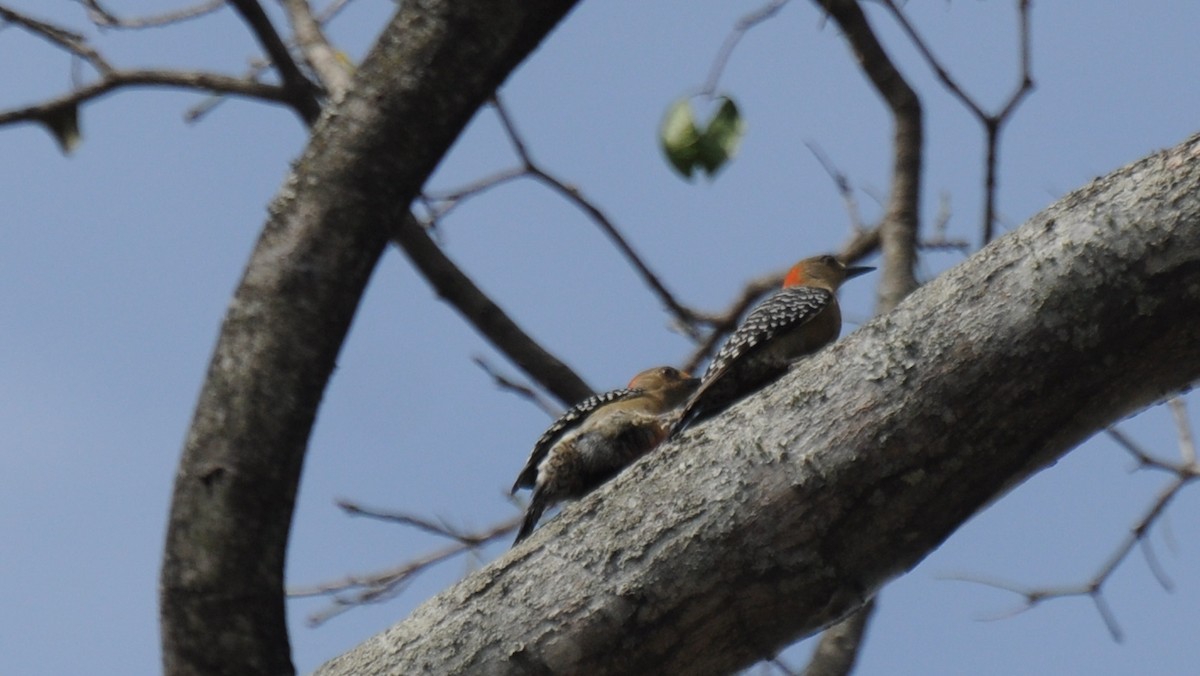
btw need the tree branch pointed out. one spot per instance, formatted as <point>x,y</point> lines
<point>838,649</point>
<point>118,79</point>
<point>787,512</point>
<point>102,17</point>
<point>221,587</point>
<point>453,285</point>
<point>992,123</point>
<point>304,94</point>
<point>335,74</point>
<point>65,39</point>
<point>898,229</point>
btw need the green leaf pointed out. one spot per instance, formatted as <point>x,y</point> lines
<point>689,148</point>
<point>720,141</point>
<point>680,138</point>
<point>63,124</point>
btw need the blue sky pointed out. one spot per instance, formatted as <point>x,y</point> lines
<point>116,265</point>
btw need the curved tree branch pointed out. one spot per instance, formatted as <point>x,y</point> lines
<point>787,512</point>
<point>221,587</point>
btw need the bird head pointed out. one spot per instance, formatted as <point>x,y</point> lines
<point>673,385</point>
<point>824,271</point>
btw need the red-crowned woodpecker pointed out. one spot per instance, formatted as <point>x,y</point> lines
<point>598,437</point>
<point>799,319</point>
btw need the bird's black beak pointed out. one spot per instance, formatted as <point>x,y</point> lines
<point>854,272</point>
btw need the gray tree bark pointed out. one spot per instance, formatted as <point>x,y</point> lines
<point>221,587</point>
<point>788,512</point>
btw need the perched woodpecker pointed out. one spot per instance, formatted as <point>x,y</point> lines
<point>598,437</point>
<point>799,319</point>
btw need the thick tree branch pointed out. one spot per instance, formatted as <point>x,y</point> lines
<point>787,512</point>
<point>221,588</point>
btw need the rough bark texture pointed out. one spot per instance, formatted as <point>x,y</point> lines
<point>785,514</point>
<point>222,597</point>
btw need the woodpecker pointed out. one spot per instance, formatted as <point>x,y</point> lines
<point>799,319</point>
<point>598,437</point>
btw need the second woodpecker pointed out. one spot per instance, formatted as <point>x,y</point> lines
<point>598,437</point>
<point>799,319</point>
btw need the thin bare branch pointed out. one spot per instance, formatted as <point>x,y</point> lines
<point>117,79</point>
<point>488,318</point>
<point>441,203</point>
<point>303,92</point>
<point>405,519</point>
<point>735,36</point>
<point>330,67</point>
<point>1155,567</point>
<point>524,391</point>
<point>685,315</point>
<point>1138,535</point>
<point>381,586</point>
<point>1187,440</point>
<point>197,112</point>
<point>63,38</point>
<point>992,123</point>
<point>841,182</point>
<point>105,18</point>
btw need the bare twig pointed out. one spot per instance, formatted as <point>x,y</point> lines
<point>104,18</point>
<point>208,82</point>
<point>939,241</point>
<point>488,318</point>
<point>197,112</point>
<point>735,36</point>
<point>335,74</point>
<point>993,123</point>
<point>63,38</point>
<point>112,78</point>
<point>442,203</point>
<point>1184,473</point>
<point>381,586</point>
<point>524,391</point>
<point>406,519</point>
<point>1187,440</point>
<point>841,183</point>
<point>303,93</point>
<point>684,315</point>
